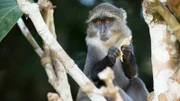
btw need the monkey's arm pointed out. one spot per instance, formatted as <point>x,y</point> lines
<point>130,67</point>
<point>108,60</point>
<point>98,67</point>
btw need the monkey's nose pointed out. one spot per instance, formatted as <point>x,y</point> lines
<point>103,29</point>
<point>103,32</point>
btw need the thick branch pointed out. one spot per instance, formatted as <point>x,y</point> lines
<point>53,97</point>
<point>156,6</point>
<point>174,6</point>
<point>33,11</point>
<point>63,85</point>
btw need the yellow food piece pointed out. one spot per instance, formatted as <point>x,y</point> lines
<point>125,42</point>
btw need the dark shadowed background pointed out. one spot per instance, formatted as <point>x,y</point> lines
<point>22,78</point>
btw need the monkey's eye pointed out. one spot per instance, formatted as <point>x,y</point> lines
<point>107,21</point>
<point>98,22</point>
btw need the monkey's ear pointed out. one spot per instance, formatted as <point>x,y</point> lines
<point>88,20</point>
<point>123,12</point>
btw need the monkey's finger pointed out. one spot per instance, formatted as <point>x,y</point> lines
<point>115,55</point>
<point>113,49</point>
<point>117,52</point>
<point>126,48</point>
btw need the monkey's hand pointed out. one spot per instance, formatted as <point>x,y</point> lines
<point>127,51</point>
<point>113,53</point>
<point>129,65</point>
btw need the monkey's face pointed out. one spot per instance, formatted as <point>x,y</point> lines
<point>106,20</point>
<point>102,27</point>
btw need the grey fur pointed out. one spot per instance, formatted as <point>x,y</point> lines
<point>131,90</point>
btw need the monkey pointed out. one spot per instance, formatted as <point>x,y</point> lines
<point>107,28</point>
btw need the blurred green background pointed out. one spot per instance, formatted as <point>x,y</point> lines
<point>22,78</point>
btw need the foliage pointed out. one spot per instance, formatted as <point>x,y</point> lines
<point>9,14</point>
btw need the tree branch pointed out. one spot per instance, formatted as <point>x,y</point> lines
<point>32,10</point>
<point>156,6</point>
<point>60,83</point>
<point>29,37</point>
<point>110,90</point>
<point>64,87</point>
<point>174,6</point>
<point>45,62</point>
<point>53,97</point>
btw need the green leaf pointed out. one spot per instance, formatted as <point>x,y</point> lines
<point>9,14</point>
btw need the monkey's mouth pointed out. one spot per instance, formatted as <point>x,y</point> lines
<point>104,38</point>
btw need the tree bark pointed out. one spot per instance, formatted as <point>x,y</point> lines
<point>165,51</point>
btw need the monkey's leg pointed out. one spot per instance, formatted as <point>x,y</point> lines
<point>137,90</point>
<point>82,96</point>
<point>124,96</point>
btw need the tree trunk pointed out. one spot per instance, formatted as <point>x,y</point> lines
<point>165,50</point>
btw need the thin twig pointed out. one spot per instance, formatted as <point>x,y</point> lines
<point>46,62</point>
<point>110,90</point>
<point>29,37</point>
